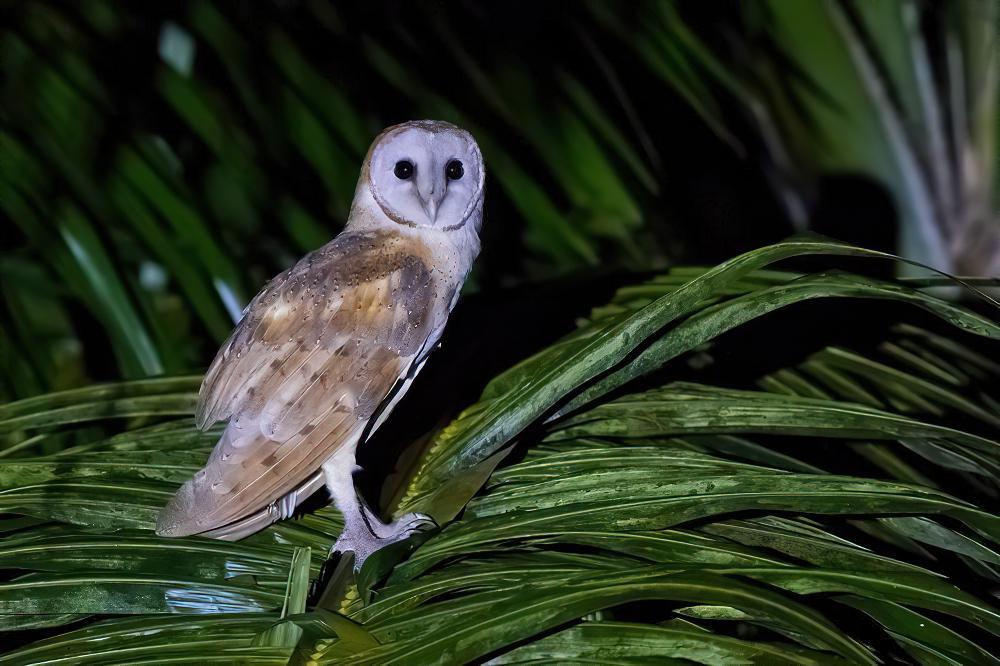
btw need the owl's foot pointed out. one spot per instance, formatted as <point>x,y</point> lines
<point>364,533</point>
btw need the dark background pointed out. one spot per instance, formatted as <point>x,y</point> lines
<point>161,162</point>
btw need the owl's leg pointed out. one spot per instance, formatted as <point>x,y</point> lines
<point>363,532</point>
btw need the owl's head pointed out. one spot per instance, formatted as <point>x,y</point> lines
<point>426,173</point>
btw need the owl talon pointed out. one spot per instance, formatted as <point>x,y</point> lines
<point>373,534</point>
<point>416,521</point>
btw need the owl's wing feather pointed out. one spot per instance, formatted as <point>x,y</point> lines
<point>316,353</point>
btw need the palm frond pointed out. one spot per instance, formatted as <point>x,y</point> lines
<point>590,510</point>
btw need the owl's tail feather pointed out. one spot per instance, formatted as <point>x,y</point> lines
<point>242,528</point>
<point>253,523</point>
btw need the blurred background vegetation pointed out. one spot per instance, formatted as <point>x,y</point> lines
<point>161,162</point>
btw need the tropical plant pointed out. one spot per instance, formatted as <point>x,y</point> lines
<point>152,212</point>
<point>607,499</point>
<point>160,165</point>
<point>904,93</point>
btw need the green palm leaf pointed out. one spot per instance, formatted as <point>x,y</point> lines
<point>713,509</point>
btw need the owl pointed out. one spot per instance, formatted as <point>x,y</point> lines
<point>325,351</point>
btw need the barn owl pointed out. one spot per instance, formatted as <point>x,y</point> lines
<point>325,351</point>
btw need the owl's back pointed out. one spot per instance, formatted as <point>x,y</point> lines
<point>317,352</point>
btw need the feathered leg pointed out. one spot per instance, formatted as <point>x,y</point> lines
<point>363,532</point>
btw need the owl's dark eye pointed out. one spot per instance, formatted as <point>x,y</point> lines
<point>454,170</point>
<point>403,169</point>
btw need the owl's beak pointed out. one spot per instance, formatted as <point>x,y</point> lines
<point>430,207</point>
<point>431,193</point>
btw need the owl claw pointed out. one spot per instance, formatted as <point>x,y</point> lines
<point>417,521</point>
<point>373,534</point>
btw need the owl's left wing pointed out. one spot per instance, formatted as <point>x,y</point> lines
<point>317,352</point>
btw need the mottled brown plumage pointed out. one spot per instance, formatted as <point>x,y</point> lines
<point>326,348</point>
<point>316,353</point>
